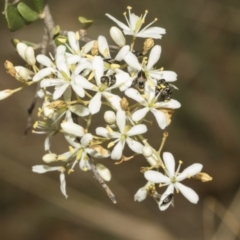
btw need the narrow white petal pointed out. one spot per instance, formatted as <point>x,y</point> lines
<point>73,42</point>
<point>72,128</point>
<point>190,171</point>
<point>173,104</point>
<point>154,56</point>
<point>67,94</point>
<point>134,145</point>
<point>82,81</point>
<point>167,194</point>
<point>44,60</point>
<point>59,91</point>
<point>43,73</point>
<point>48,140</point>
<point>140,114</point>
<point>103,132</point>
<point>169,76</point>
<point>43,168</point>
<point>97,65</point>
<point>132,61</point>
<point>86,139</point>
<point>113,99</point>
<point>80,67</point>
<point>63,185</point>
<point>169,163</point>
<point>95,103</point>
<point>160,117</point>
<point>51,82</point>
<point>78,89</point>
<point>79,110</point>
<point>156,177</point>
<point>117,150</point>
<point>121,120</point>
<point>137,129</point>
<point>134,94</point>
<point>103,47</point>
<point>122,53</point>
<point>120,24</point>
<point>187,192</point>
<point>88,46</point>
<point>30,56</point>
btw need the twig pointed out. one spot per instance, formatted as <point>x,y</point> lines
<point>101,181</point>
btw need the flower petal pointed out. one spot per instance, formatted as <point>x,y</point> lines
<point>132,61</point>
<point>122,53</point>
<point>120,24</point>
<point>140,195</point>
<point>44,168</point>
<point>137,129</point>
<point>86,139</point>
<point>187,192</point>
<point>169,163</point>
<point>43,73</point>
<point>103,47</point>
<point>156,177</point>
<point>190,171</point>
<point>97,65</point>
<point>95,103</point>
<point>140,114</point>
<point>135,95</point>
<point>73,129</point>
<point>121,120</point>
<point>154,56</point>
<point>134,145</point>
<point>63,185</point>
<point>173,104</point>
<point>160,117</point>
<point>59,91</point>
<point>79,110</point>
<point>166,198</point>
<point>117,150</point>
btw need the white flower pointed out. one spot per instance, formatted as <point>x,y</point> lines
<point>45,168</point>
<point>124,136</point>
<point>134,24</point>
<point>151,104</point>
<point>102,89</point>
<point>173,179</point>
<point>147,69</point>
<point>142,193</point>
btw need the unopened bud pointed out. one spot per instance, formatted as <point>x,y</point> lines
<point>10,68</point>
<point>110,117</point>
<point>49,157</point>
<point>103,172</point>
<point>23,73</point>
<point>203,177</point>
<point>117,36</point>
<point>30,56</point>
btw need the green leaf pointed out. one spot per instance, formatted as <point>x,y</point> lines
<point>14,20</point>
<point>85,23</point>
<point>39,5</point>
<point>27,13</point>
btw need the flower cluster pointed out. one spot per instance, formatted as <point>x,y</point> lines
<point>79,78</point>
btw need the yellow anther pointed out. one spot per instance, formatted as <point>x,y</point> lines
<point>70,171</point>
<point>77,36</point>
<point>124,13</point>
<point>35,124</point>
<point>188,176</point>
<point>129,7</point>
<point>180,162</point>
<point>160,185</point>
<point>85,169</point>
<point>71,150</point>
<point>162,68</point>
<point>110,131</point>
<point>110,145</point>
<point>155,19</point>
<point>146,11</point>
<point>177,190</point>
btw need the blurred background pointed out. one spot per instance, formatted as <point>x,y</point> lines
<point>202,46</point>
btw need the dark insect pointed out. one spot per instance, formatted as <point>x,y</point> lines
<point>167,199</point>
<point>140,80</point>
<point>109,80</point>
<point>164,90</point>
<point>138,53</point>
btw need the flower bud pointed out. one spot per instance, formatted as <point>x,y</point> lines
<point>21,48</point>
<point>103,172</point>
<point>23,73</point>
<point>5,93</point>
<point>110,117</point>
<point>117,36</point>
<point>30,56</point>
<point>203,177</point>
<point>49,157</point>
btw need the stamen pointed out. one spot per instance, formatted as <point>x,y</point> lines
<point>149,24</point>
<point>180,163</point>
<point>35,125</point>
<point>71,150</point>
